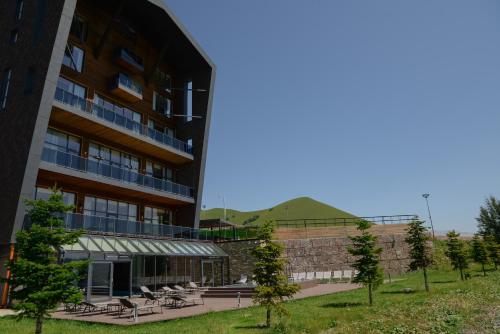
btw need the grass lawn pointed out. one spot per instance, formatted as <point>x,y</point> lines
<point>452,306</point>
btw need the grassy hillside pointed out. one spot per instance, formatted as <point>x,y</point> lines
<point>299,208</point>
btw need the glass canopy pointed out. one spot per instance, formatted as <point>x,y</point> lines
<point>135,246</point>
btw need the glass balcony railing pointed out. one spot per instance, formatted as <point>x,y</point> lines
<point>114,172</point>
<point>111,116</point>
<point>125,81</point>
<point>115,226</point>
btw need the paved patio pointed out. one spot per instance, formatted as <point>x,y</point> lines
<point>211,305</point>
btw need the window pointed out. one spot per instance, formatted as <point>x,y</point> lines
<point>163,80</point>
<point>4,88</point>
<point>125,112</point>
<point>44,193</point>
<point>158,171</point>
<point>157,216</point>
<point>19,9</point>
<point>73,57</point>
<point>113,157</point>
<point>79,28</point>
<point>71,93</point>
<point>63,142</point>
<point>13,36</point>
<point>95,206</point>
<point>29,81</point>
<point>162,105</point>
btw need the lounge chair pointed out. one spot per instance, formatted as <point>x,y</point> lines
<point>145,289</point>
<point>193,287</point>
<point>94,307</point>
<point>181,301</point>
<point>168,291</point>
<point>182,290</point>
<point>243,279</point>
<point>127,305</point>
<point>150,298</point>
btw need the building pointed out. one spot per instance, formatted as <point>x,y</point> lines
<point>110,101</point>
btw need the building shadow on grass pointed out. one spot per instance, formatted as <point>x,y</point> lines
<point>261,326</point>
<point>342,304</point>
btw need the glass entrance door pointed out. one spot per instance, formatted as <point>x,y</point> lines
<point>100,281</point>
<point>207,273</point>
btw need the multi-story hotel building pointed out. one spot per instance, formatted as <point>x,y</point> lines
<point>110,101</point>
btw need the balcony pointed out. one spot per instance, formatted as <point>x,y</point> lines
<point>102,176</point>
<point>126,88</point>
<point>120,227</point>
<point>110,125</point>
<point>130,61</point>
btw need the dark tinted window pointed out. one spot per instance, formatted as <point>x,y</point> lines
<point>79,28</point>
<point>29,81</point>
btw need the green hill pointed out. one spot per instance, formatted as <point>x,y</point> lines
<point>299,208</point>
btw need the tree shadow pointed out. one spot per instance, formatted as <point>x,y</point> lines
<point>447,281</point>
<point>399,292</point>
<point>342,304</point>
<point>250,327</point>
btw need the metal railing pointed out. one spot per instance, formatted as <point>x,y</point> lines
<point>111,116</point>
<point>113,172</point>
<point>304,223</point>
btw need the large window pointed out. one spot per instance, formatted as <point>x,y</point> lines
<point>73,57</point>
<point>162,104</point>
<point>29,81</point>
<point>63,142</point>
<point>113,157</point>
<point>158,171</point>
<point>125,112</point>
<point>79,28</point>
<point>101,207</point>
<point>71,93</point>
<point>157,216</point>
<point>4,88</point>
<point>44,193</point>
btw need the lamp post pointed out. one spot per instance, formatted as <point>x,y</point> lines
<point>426,196</point>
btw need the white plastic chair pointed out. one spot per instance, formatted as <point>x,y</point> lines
<point>337,275</point>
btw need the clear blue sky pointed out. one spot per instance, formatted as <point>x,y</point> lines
<point>364,105</point>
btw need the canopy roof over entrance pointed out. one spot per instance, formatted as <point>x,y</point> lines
<point>136,246</point>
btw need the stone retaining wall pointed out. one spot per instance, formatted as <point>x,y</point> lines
<point>318,254</point>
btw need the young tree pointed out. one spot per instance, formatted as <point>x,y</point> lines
<point>489,219</point>
<point>493,249</point>
<point>456,252</point>
<point>39,279</point>
<point>272,285</point>
<point>367,263</point>
<point>478,252</point>
<point>420,250</point>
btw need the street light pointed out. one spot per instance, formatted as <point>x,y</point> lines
<point>426,196</point>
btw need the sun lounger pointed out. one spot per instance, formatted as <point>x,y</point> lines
<point>243,279</point>
<point>181,301</point>
<point>182,290</point>
<point>128,306</point>
<point>151,299</point>
<point>145,289</point>
<point>94,307</point>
